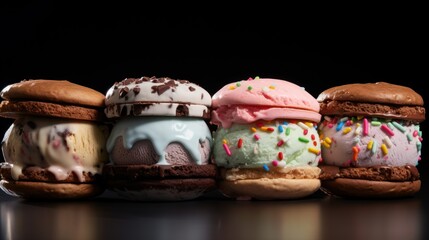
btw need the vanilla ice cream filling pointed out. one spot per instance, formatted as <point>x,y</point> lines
<point>59,146</point>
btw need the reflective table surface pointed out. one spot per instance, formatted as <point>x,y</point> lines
<point>215,217</point>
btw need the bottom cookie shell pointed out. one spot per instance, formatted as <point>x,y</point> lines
<point>51,191</point>
<point>360,188</point>
<point>269,189</point>
<point>162,189</point>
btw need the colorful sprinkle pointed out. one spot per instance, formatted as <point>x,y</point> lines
<point>370,143</point>
<point>240,143</point>
<point>313,137</point>
<point>305,132</point>
<point>287,131</point>
<point>355,153</point>
<point>365,127</point>
<point>415,133</point>
<point>275,163</point>
<point>347,130</point>
<point>272,87</point>
<point>375,123</point>
<point>419,146</point>
<point>328,140</point>
<point>387,130</point>
<point>390,125</point>
<point>309,124</point>
<point>387,141</point>
<point>280,143</point>
<point>253,129</point>
<point>340,125</point>
<point>344,119</point>
<point>358,130</point>
<point>256,136</point>
<point>249,88</point>
<point>280,128</point>
<point>314,150</point>
<point>238,84</point>
<point>303,139</point>
<point>326,145</point>
<point>302,125</point>
<point>398,126</point>
<point>232,87</point>
<point>257,78</point>
<point>249,79</point>
<point>282,164</point>
<point>280,155</point>
<point>266,168</point>
<point>224,141</point>
<point>409,137</point>
<point>374,147</point>
<point>228,152</point>
<point>384,149</point>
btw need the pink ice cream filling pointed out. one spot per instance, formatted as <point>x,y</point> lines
<point>226,115</point>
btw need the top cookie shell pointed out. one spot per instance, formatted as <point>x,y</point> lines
<point>152,96</point>
<point>56,91</point>
<point>266,92</point>
<point>379,92</point>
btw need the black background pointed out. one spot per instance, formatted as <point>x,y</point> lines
<point>212,44</point>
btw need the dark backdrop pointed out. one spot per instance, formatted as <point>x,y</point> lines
<point>213,44</point>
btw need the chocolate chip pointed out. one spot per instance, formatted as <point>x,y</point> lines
<point>191,89</point>
<point>124,91</point>
<point>136,90</point>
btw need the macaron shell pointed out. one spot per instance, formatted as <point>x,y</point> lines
<point>56,91</point>
<point>379,92</point>
<point>157,90</point>
<point>157,97</point>
<point>265,92</point>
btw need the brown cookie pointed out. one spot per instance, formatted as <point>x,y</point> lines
<point>379,99</point>
<point>37,174</point>
<point>52,98</point>
<point>376,173</point>
<point>140,172</point>
<point>361,188</point>
<point>176,189</point>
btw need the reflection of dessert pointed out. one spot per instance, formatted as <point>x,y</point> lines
<point>266,144</point>
<point>371,140</point>
<point>56,146</point>
<point>160,144</point>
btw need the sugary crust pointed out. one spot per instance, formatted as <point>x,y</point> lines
<point>141,172</point>
<point>51,191</point>
<point>379,92</point>
<point>269,189</point>
<point>376,173</point>
<point>349,108</point>
<point>57,91</point>
<point>15,109</point>
<point>359,188</point>
<point>42,175</point>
